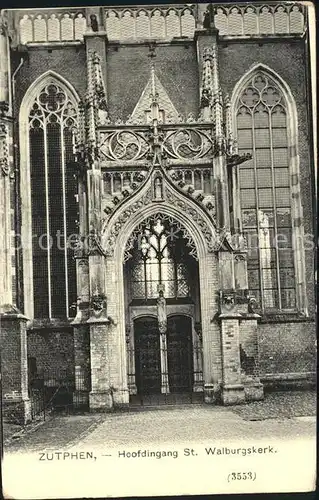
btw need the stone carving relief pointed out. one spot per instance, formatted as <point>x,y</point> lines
<point>196,216</point>
<point>98,305</point>
<point>188,143</point>
<point>176,200</point>
<point>145,200</point>
<point>181,144</point>
<point>4,152</point>
<point>123,145</point>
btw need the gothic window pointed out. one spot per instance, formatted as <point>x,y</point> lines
<point>160,258</point>
<point>265,195</point>
<point>51,123</point>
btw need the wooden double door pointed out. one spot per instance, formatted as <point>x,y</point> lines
<point>157,361</point>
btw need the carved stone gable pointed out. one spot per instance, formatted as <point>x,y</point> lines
<point>167,110</point>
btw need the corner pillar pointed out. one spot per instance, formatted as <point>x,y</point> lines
<point>254,389</point>
<point>210,339</point>
<point>13,338</point>
<point>100,397</point>
<point>232,387</point>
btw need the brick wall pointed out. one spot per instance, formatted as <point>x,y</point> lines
<point>231,365</point>
<point>69,62</point>
<point>286,348</point>
<point>248,338</point>
<point>99,358</point>
<point>128,71</point>
<point>82,357</point>
<point>14,364</point>
<point>53,350</point>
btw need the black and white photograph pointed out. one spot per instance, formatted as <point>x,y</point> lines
<point>158,172</point>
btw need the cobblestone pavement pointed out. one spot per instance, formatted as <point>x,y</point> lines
<point>281,404</point>
<point>175,425</point>
<point>55,433</point>
<point>200,424</point>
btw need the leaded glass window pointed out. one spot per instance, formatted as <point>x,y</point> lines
<point>52,122</point>
<point>265,195</point>
<point>160,258</point>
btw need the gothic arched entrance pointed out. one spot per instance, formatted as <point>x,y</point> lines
<point>162,309</point>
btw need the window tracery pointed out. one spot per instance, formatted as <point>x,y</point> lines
<point>159,257</point>
<point>265,193</point>
<point>52,121</point>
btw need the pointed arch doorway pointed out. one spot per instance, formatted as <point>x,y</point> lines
<point>164,362</point>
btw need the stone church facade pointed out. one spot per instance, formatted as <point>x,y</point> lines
<point>157,186</point>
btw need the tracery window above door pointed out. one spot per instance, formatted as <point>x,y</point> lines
<point>160,257</point>
<point>265,193</point>
<point>52,123</point>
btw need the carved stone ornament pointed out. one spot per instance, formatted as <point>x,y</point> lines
<point>94,244</point>
<point>98,304</point>
<point>161,313</point>
<point>178,200</point>
<point>123,145</point>
<point>196,216</point>
<point>146,199</point>
<point>199,332</point>
<point>252,304</point>
<point>234,300</point>
<point>4,108</point>
<point>4,153</point>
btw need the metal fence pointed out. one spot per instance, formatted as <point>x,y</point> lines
<point>55,391</point>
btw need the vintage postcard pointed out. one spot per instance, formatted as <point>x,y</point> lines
<point>157,305</point>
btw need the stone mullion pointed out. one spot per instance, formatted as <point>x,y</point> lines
<point>197,360</point>
<point>164,364</point>
<point>130,346</point>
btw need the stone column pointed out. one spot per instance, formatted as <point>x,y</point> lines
<point>212,110</point>
<point>164,364</point>
<point>212,362</point>
<point>130,351</point>
<point>13,337</point>
<point>254,389</point>
<point>99,325</point>
<point>5,219</point>
<point>232,387</point>
<point>5,167</point>
<point>197,358</point>
<point>100,397</point>
<point>4,63</point>
<point>83,290</point>
<point>117,334</point>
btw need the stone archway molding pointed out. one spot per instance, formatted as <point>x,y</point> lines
<point>174,204</point>
<point>203,234</point>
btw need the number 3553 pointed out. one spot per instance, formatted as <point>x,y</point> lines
<point>242,476</point>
